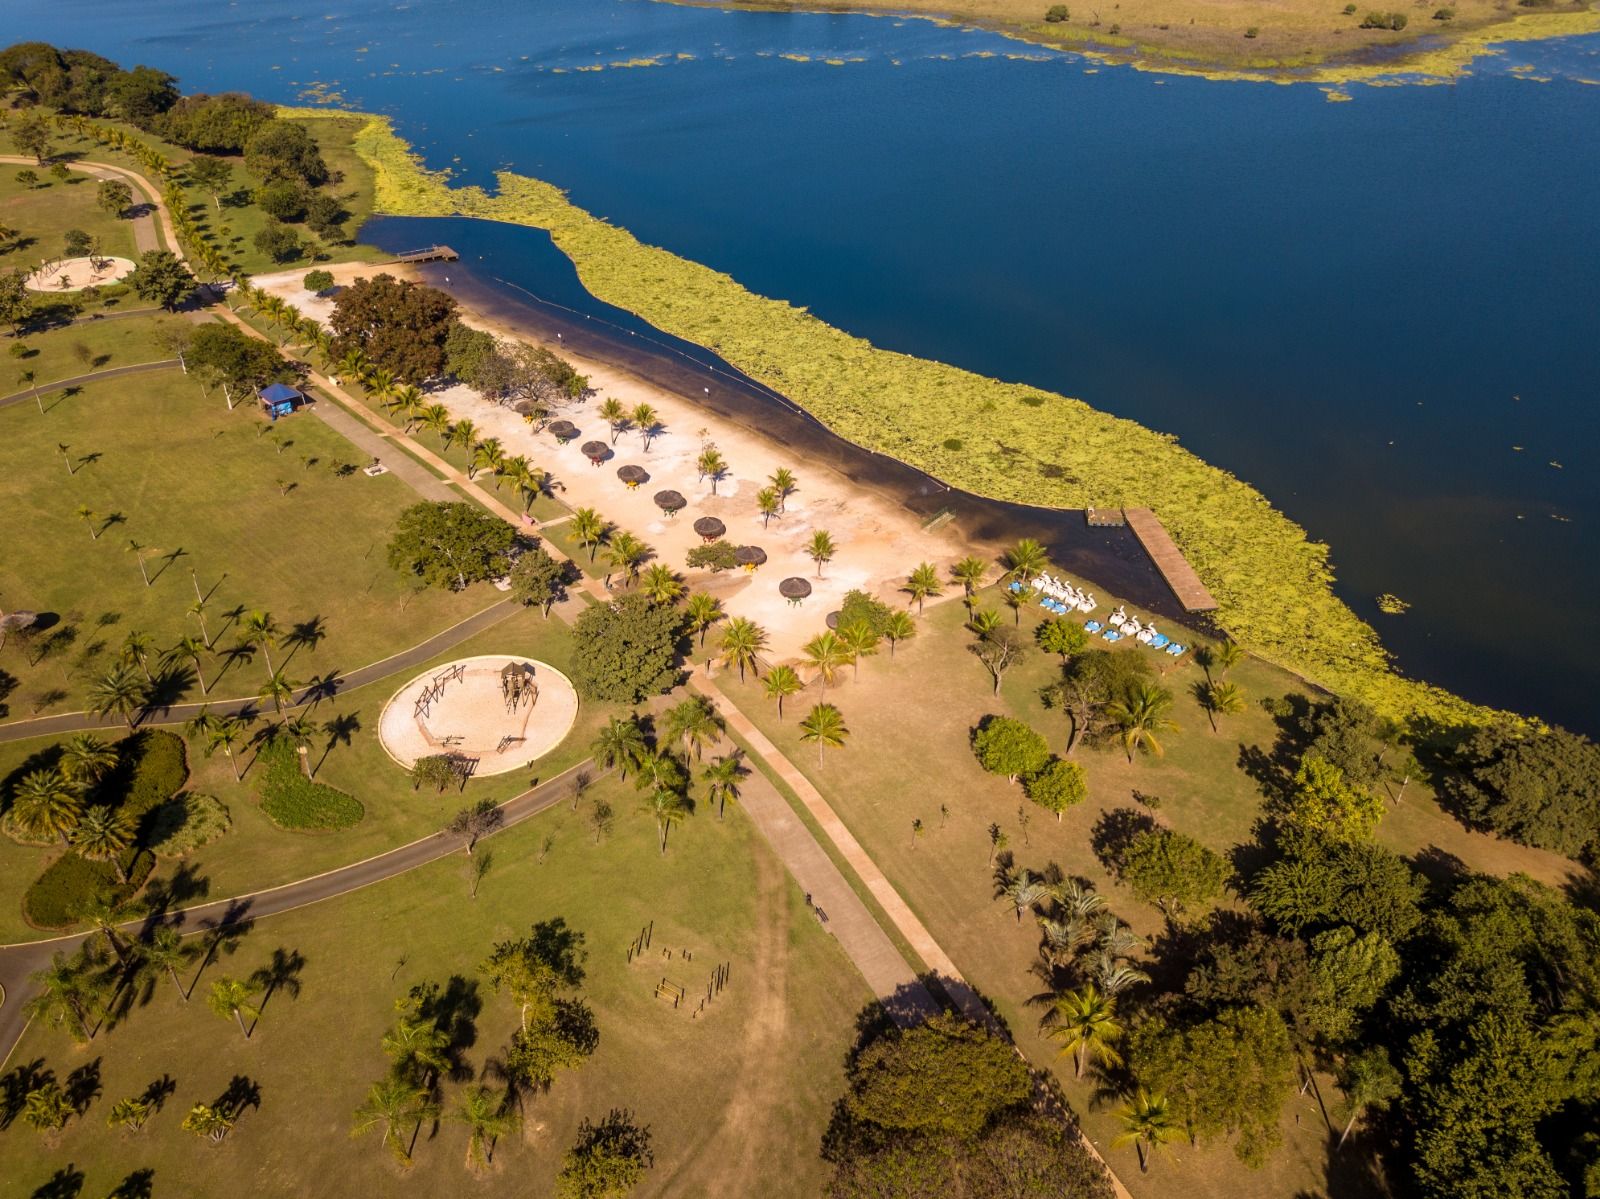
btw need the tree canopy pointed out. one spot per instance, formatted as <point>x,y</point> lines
<point>161,279</point>
<point>627,650</point>
<point>1539,789</point>
<point>1004,745</point>
<point>401,327</point>
<point>451,544</point>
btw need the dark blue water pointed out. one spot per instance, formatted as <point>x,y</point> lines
<point>1362,308</point>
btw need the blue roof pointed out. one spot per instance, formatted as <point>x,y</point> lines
<point>277,392</point>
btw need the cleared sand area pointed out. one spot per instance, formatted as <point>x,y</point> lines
<point>877,542</point>
<point>75,274</point>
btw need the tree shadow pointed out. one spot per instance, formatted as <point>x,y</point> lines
<point>65,1183</point>
<point>15,1085</point>
<point>307,634</point>
<point>83,1086</point>
<point>281,973</point>
<point>159,1091</point>
<point>341,730</point>
<point>560,948</point>
<point>1115,830</point>
<point>141,1184</point>
<point>241,1092</point>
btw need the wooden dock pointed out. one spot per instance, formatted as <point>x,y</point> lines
<point>429,254</point>
<point>1169,560</point>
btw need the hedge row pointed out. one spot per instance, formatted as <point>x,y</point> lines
<point>292,801</point>
<point>71,886</point>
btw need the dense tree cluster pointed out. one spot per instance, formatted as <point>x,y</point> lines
<point>627,650</point>
<point>451,545</point>
<point>508,372</point>
<point>1539,788</point>
<point>401,327</point>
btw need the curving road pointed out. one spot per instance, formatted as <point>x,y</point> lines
<point>111,372</point>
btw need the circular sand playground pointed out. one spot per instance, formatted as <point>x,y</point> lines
<point>498,712</point>
<point>75,274</point>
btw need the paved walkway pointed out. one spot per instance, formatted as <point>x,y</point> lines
<point>400,464</point>
<point>111,372</point>
<point>18,961</point>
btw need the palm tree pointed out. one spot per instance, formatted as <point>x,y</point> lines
<point>356,366</point>
<point>1026,559</point>
<point>136,650</point>
<point>703,611</point>
<point>742,640</point>
<point>923,582</point>
<point>1140,716</point>
<point>969,572</point>
<point>588,529</point>
<point>644,419</point>
<point>408,402</point>
<point>463,432</point>
<point>63,996</point>
<point>1023,890</point>
<point>661,584</point>
<point>222,735</point>
<point>615,415</point>
<point>206,1121</point>
<point>45,804</point>
<point>768,504</point>
<point>381,386</point>
<point>277,691</point>
<point>820,549</point>
<point>1017,599</point>
<point>198,611</point>
<point>487,1119</point>
<point>300,730</point>
<point>1221,699</point>
<point>785,484</point>
<point>781,682</point>
<point>192,648</point>
<point>233,997</point>
<point>897,627</point>
<point>1147,1125</point>
<point>168,951</point>
<point>85,759</point>
<point>711,465</point>
<point>1224,657</point>
<point>669,807</point>
<point>259,630</point>
<point>721,778</point>
<point>861,640</point>
<point>825,728</point>
<point>620,745</point>
<point>101,836</point>
<point>436,417</point>
<point>828,654</point>
<point>984,621</point>
<point>117,693</point>
<point>487,455</point>
<point>418,1049</point>
<point>696,723</point>
<point>88,516</point>
<point>390,1105</point>
<point>624,552</point>
<point>1085,1023</point>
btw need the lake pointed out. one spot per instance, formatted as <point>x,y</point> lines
<point>1383,313</point>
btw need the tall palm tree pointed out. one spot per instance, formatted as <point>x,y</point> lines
<point>785,484</point>
<point>644,419</point>
<point>742,640</point>
<point>1221,699</point>
<point>661,584</point>
<point>224,735</point>
<point>436,418</point>
<point>897,627</point>
<point>721,778</point>
<point>234,997</point>
<point>168,952</point>
<point>828,654</point>
<point>117,693</point>
<point>712,465</point>
<point>409,403</point>
<point>277,691</point>
<point>45,804</point>
<point>824,727</point>
<point>768,504</point>
<point>1140,716</point>
<point>487,1118</point>
<point>198,611</point>
<point>1023,890</point>
<point>821,548</point>
<point>969,572</point>
<point>1224,657</point>
<point>614,414</point>
<point>419,1049</point>
<point>356,366</point>
<point>923,582</point>
<point>88,516</point>
<point>625,552</point>
<point>861,640</point>
<point>781,682</point>
<point>1084,1022</point>
<point>260,631</point>
<point>192,648</point>
<point>1019,598</point>
<point>1148,1124</point>
<point>620,745</point>
<point>694,722</point>
<point>462,432</point>
<point>1026,559</point>
<point>63,996</point>
<point>488,455</point>
<point>588,529</point>
<point>703,611</point>
<point>101,836</point>
<point>390,1105</point>
<point>669,807</point>
<point>85,759</point>
<point>381,386</point>
<point>300,729</point>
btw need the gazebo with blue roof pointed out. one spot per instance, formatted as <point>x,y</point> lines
<point>279,399</point>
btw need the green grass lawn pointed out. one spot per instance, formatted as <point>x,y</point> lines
<point>65,353</point>
<point>182,473</point>
<point>45,212</point>
<point>908,753</point>
<point>736,1098</point>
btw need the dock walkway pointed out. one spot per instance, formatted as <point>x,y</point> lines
<point>1169,560</point>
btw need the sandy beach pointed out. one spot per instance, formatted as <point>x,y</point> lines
<point>878,542</point>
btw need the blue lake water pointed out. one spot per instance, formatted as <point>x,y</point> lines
<point>1383,313</point>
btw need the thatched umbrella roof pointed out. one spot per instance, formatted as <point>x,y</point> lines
<point>633,475</point>
<point>794,589</point>
<point>832,620</point>
<point>12,621</point>
<point>749,555</point>
<point>596,451</point>
<point>671,502</point>
<point>710,528</point>
<point>563,431</point>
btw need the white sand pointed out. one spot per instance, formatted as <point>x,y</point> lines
<point>79,273</point>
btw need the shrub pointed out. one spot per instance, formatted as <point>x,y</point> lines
<point>292,801</point>
<point>1057,787</point>
<point>1385,20</point>
<point>1253,32</point>
<point>1057,13</point>
<point>279,244</point>
<point>185,823</point>
<point>1444,14</point>
<point>1172,870</point>
<point>860,608</point>
<point>1349,10</point>
<point>71,885</point>
<point>317,281</point>
<point>1009,747</point>
<point>716,557</point>
<point>158,768</point>
<point>286,201</point>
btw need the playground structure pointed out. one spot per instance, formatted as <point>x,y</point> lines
<point>491,714</point>
<point>75,274</point>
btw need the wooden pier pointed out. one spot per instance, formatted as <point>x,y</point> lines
<point>429,254</point>
<point>1169,560</point>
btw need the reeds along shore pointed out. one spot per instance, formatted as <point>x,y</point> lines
<point>1004,440</point>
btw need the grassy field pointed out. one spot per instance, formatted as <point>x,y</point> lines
<point>43,213</point>
<point>345,754</point>
<point>910,718</point>
<point>736,1098</point>
<point>1288,34</point>
<point>254,511</point>
<point>93,345</point>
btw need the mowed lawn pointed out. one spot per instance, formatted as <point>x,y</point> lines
<point>42,214</point>
<point>90,346</point>
<point>736,1098</point>
<point>347,754</point>
<point>254,511</point>
<point>908,753</point>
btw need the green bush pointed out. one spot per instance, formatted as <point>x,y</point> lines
<point>318,280</point>
<point>71,885</point>
<point>1349,10</point>
<point>185,823</point>
<point>1057,13</point>
<point>1445,14</point>
<point>292,801</point>
<point>1253,32</point>
<point>157,768</point>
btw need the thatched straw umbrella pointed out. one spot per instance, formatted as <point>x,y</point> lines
<point>794,589</point>
<point>749,556</point>
<point>671,502</point>
<point>709,528</point>
<point>633,475</point>
<point>596,451</point>
<point>832,620</point>
<point>564,431</point>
